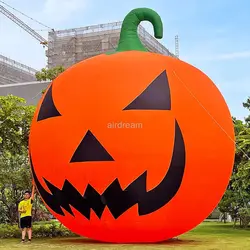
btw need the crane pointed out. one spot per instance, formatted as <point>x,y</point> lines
<point>24,26</point>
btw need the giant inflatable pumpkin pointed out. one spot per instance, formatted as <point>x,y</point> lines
<point>158,173</point>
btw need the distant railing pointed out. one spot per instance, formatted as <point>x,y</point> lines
<point>85,30</point>
<point>107,27</point>
<point>18,65</point>
<point>153,42</point>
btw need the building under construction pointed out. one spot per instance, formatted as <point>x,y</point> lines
<point>67,47</point>
<point>14,72</point>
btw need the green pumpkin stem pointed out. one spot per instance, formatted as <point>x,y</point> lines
<point>129,39</point>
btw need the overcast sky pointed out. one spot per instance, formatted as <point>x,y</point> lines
<point>214,34</point>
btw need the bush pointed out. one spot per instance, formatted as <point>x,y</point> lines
<point>8,231</point>
<point>51,230</point>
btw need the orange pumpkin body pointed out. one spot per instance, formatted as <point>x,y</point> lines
<point>91,97</point>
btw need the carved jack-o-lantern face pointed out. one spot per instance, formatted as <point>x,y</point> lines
<point>131,183</point>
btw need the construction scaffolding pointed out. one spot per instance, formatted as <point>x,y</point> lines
<point>15,72</point>
<point>70,46</point>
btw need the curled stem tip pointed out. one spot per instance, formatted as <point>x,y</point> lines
<point>129,39</point>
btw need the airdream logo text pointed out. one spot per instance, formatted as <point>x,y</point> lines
<point>124,125</point>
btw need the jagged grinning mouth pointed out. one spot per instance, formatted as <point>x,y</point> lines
<point>117,200</point>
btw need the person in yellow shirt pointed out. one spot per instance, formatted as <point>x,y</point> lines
<point>25,211</point>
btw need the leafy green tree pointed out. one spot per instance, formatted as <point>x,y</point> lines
<point>236,200</point>
<point>242,176</point>
<point>15,176</point>
<point>230,204</point>
<point>49,74</point>
<point>244,214</point>
<point>15,118</point>
<point>247,106</point>
<point>14,179</point>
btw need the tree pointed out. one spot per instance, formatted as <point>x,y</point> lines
<point>236,200</point>
<point>15,176</point>
<point>15,119</point>
<point>247,106</point>
<point>242,176</point>
<point>49,74</point>
<point>230,203</point>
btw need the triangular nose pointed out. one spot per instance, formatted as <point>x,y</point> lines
<point>90,149</point>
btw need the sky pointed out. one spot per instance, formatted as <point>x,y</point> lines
<point>214,35</point>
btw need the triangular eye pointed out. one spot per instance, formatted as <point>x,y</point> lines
<point>48,108</point>
<point>155,97</point>
<point>90,149</point>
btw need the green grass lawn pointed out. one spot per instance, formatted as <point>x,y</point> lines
<point>207,236</point>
